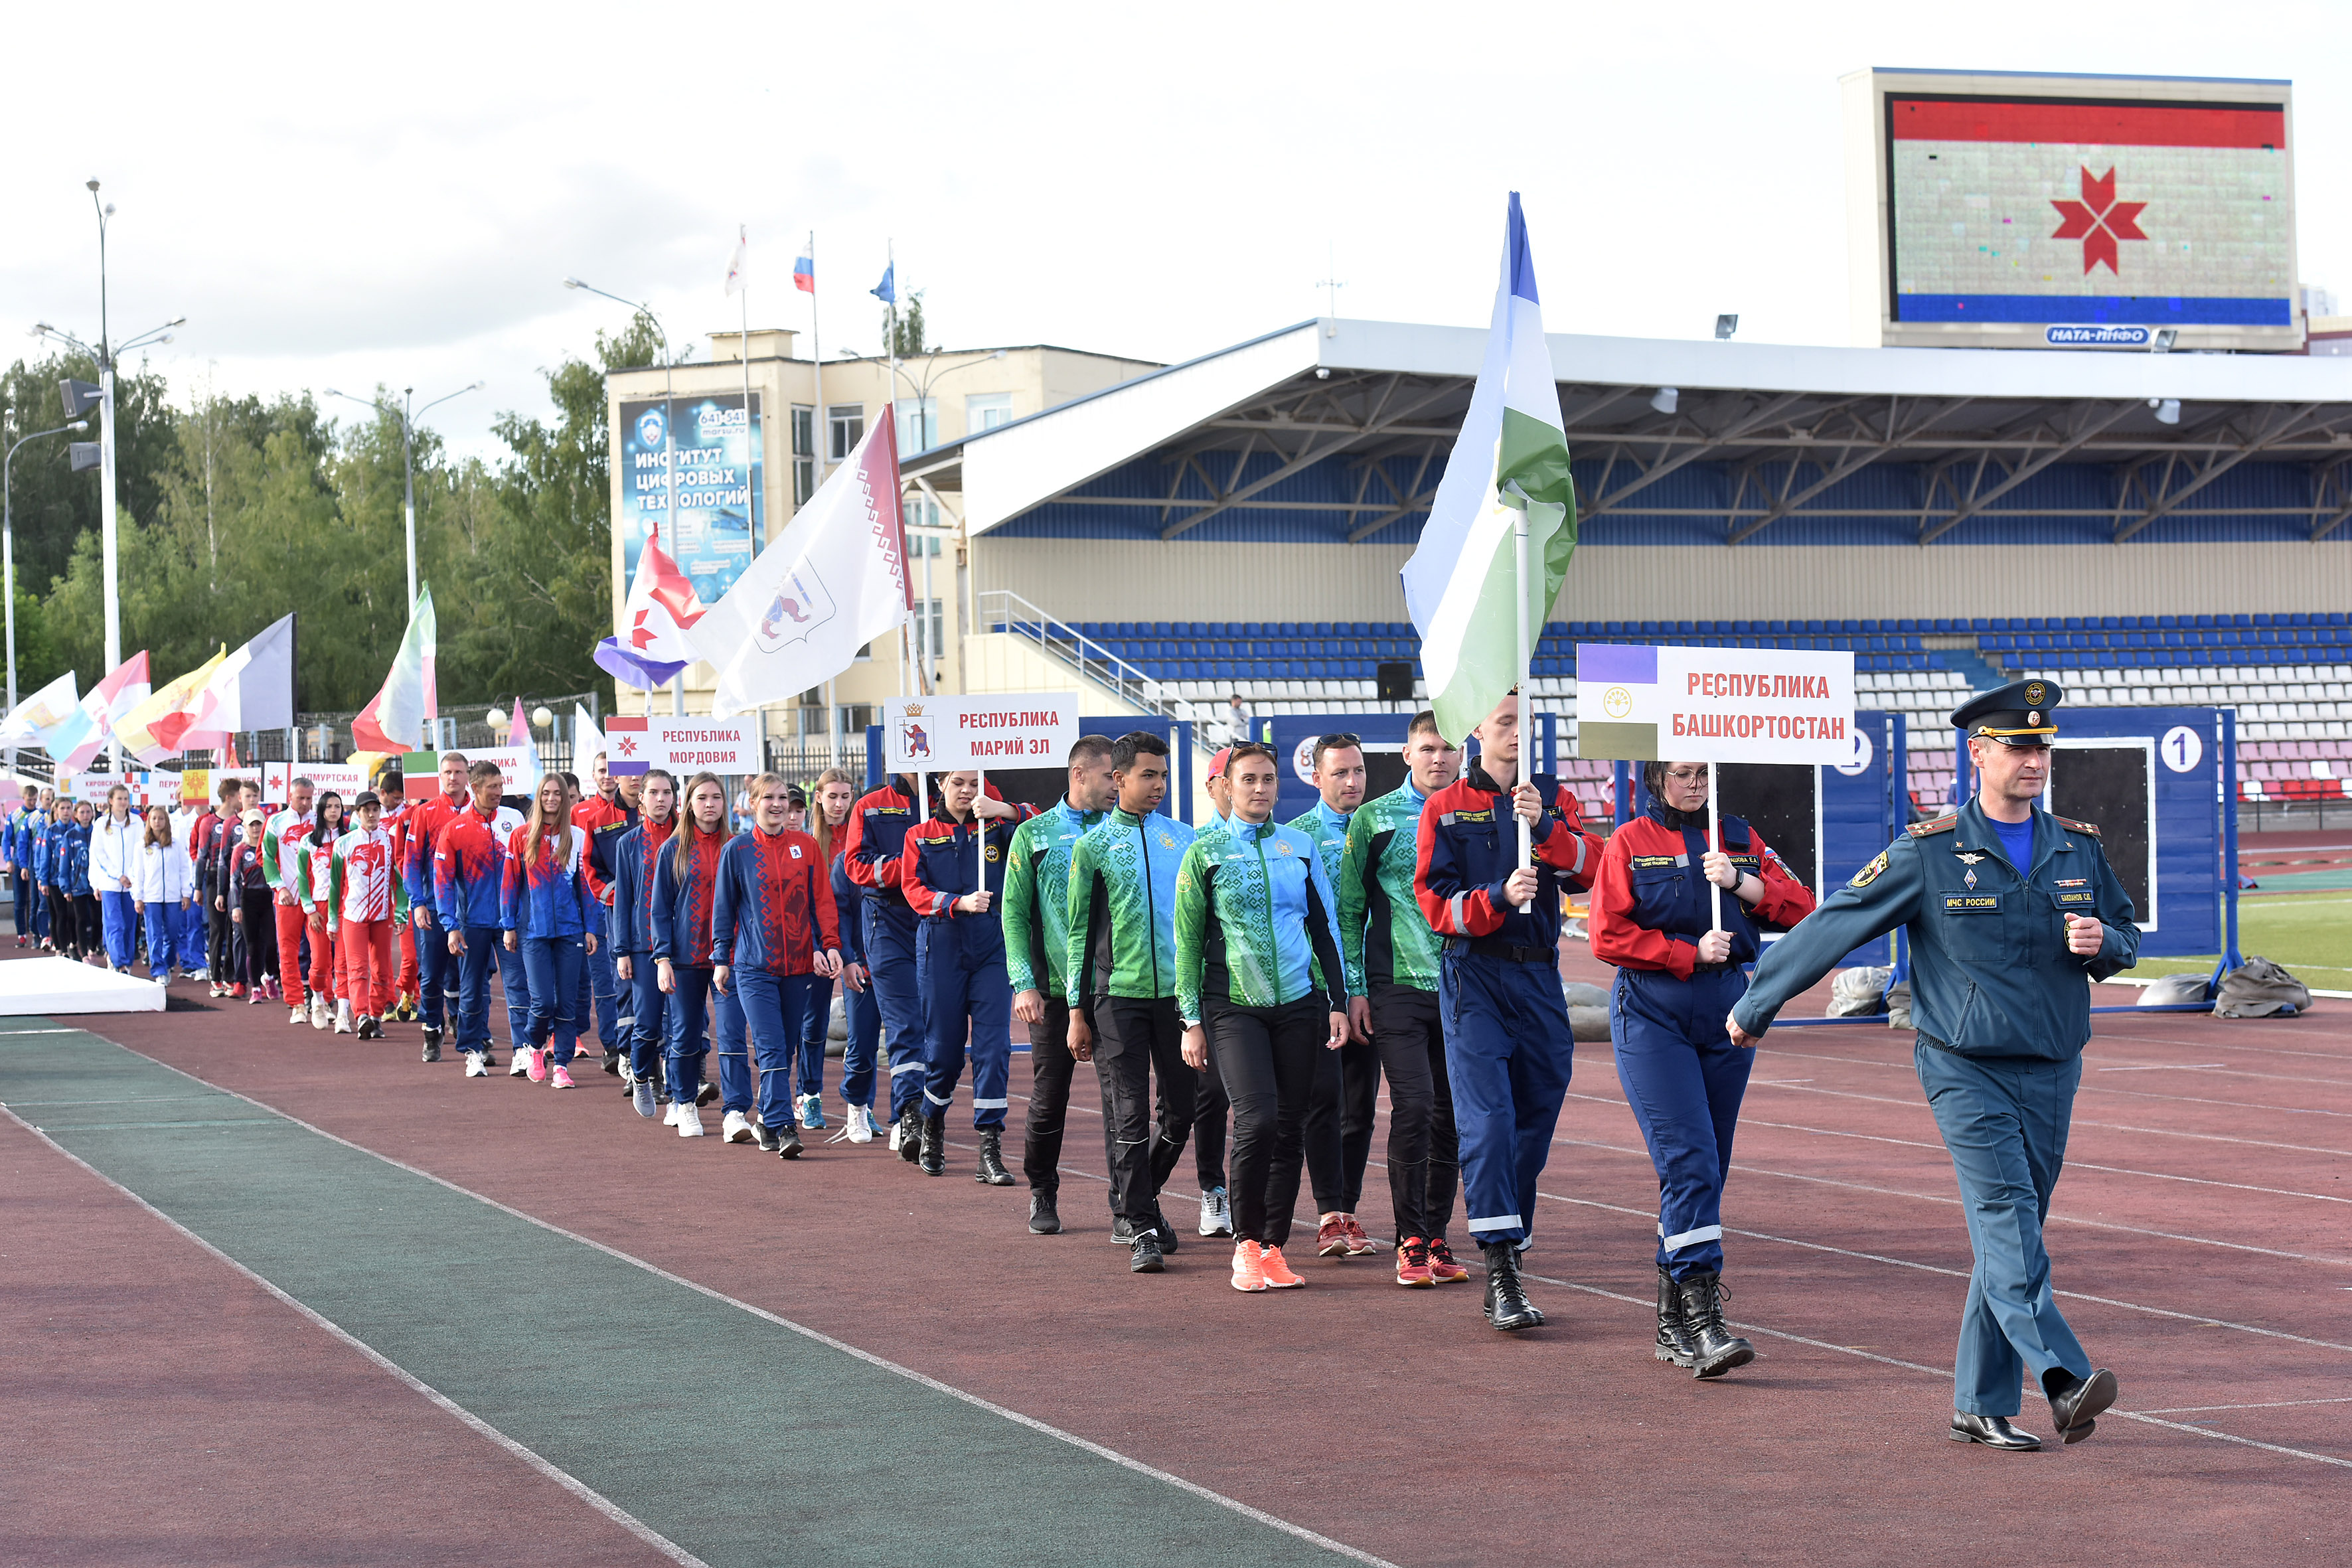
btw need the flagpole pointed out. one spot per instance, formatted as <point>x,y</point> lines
<point>750,435</point>
<point>1527,757</point>
<point>820,428</point>
<point>1715,842</point>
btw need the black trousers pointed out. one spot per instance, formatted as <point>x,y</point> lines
<point>219,952</point>
<point>1340,1124</point>
<point>1051,1066</point>
<point>61,923</point>
<point>257,938</point>
<point>1266,1058</point>
<point>1423,1155</point>
<point>1208,1107</point>
<point>1134,1039</point>
<point>89,927</point>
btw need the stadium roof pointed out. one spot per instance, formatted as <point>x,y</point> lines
<point>1337,430</point>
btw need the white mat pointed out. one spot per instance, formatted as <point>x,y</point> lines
<point>47,987</point>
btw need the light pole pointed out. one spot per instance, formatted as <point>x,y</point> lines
<point>408,455</point>
<point>8,542</point>
<point>669,465</point>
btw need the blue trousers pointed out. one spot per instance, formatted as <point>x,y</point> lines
<point>1509,1054</point>
<point>808,1064</point>
<point>603,984</point>
<point>688,1009</point>
<point>1685,1079</point>
<point>961,966</point>
<point>438,977</point>
<point>188,947</point>
<point>514,981</point>
<point>472,1025</point>
<point>20,884</point>
<point>2004,1122</point>
<point>163,934</point>
<point>775,1010</point>
<point>865,1020</point>
<point>898,994</point>
<point>552,966</point>
<point>120,918</point>
<point>646,1012</point>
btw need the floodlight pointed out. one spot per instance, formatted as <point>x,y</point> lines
<point>1726,326</point>
<point>2165,338</point>
<point>1666,399</point>
<point>2168,409</point>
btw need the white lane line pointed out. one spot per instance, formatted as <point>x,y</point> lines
<point>2087,1088</point>
<point>2267,1404</point>
<point>2159,1067</point>
<point>1271,1522</point>
<point>2226,1046</point>
<point>564,1478</point>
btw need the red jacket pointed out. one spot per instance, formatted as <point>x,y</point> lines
<point>422,822</point>
<point>1468,847</point>
<point>874,840</point>
<point>603,821</point>
<point>1651,903</point>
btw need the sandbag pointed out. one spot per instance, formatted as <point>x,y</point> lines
<point>2173,991</point>
<point>1898,1006</point>
<point>2260,989</point>
<point>1579,995</point>
<point>1859,993</point>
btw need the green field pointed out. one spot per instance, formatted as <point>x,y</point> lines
<point>2310,934</point>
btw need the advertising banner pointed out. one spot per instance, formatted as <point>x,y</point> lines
<point>690,746</point>
<point>946,734</point>
<point>717,451</point>
<point>1713,704</point>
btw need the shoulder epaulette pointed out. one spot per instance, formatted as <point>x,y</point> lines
<point>1941,825</point>
<point>2090,827</point>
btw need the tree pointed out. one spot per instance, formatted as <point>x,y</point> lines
<point>906,331</point>
<point>54,505</point>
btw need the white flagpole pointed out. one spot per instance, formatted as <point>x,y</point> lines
<point>751,440</point>
<point>1526,741</point>
<point>1715,842</point>
<point>979,835</point>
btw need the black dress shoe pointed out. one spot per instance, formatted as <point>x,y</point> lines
<point>2077,1405</point>
<point>1507,1307</point>
<point>1146,1258</point>
<point>1992,1431</point>
<point>1045,1219</point>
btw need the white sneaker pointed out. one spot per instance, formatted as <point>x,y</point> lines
<point>297,1014</point>
<point>896,1128</point>
<point>164,978</point>
<point>474,1068</point>
<point>521,1066</point>
<point>1216,1215</point>
<point>861,1125</point>
<point>689,1120</point>
<point>669,1117</point>
<point>641,1096</point>
<point>342,1017</point>
<point>735,1127</point>
<point>319,1018</point>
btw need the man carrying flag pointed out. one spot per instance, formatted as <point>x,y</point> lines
<point>1488,566</point>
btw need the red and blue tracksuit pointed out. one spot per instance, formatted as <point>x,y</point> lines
<point>436,966</point>
<point>875,842</point>
<point>603,821</point>
<point>681,926</point>
<point>960,962</point>
<point>1682,1075</point>
<point>859,1011</point>
<point>1509,1049</point>
<point>630,922</point>
<point>771,916</point>
<point>469,869</point>
<point>544,900</point>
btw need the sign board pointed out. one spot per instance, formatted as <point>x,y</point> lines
<point>946,734</point>
<point>717,452</point>
<point>690,746</point>
<point>2074,212</point>
<point>1713,704</point>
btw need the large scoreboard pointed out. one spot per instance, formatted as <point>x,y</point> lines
<point>2086,211</point>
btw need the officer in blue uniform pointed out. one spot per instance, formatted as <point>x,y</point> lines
<point>2012,913</point>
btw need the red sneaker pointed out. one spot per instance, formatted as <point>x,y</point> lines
<point>1413,1263</point>
<point>1331,1237</point>
<point>1442,1267</point>
<point>1278,1275</point>
<point>1358,1244</point>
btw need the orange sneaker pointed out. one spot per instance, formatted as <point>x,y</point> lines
<point>1358,1244</point>
<point>1413,1263</point>
<point>1278,1273</point>
<point>1248,1274</point>
<point>1442,1267</point>
<point>1331,1237</point>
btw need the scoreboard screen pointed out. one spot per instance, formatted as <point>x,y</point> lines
<point>2058,218</point>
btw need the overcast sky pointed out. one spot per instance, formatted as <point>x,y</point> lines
<point>393,195</point>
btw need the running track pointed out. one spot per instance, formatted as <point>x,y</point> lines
<point>285,1298</point>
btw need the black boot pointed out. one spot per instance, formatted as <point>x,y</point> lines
<point>910,1135</point>
<point>1717,1349</point>
<point>1045,1219</point>
<point>991,1159</point>
<point>935,1145</point>
<point>1674,1334</point>
<point>432,1044</point>
<point>1508,1306</point>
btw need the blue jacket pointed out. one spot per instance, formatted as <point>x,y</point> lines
<point>774,907</point>
<point>23,827</point>
<point>548,897</point>
<point>630,922</point>
<point>682,905</point>
<point>1991,975</point>
<point>1469,845</point>
<point>70,859</point>
<point>850,907</point>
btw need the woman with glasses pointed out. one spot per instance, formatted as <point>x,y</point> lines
<point>1679,974</point>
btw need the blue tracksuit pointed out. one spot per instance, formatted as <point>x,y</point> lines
<point>772,915</point>
<point>630,921</point>
<point>681,926</point>
<point>1509,1047</point>
<point>859,1011</point>
<point>546,905</point>
<point>960,963</point>
<point>1682,1075</point>
<point>876,835</point>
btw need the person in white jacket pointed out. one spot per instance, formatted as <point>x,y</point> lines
<point>159,889</point>
<point>114,841</point>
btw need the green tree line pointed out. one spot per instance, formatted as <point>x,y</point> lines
<point>236,509</point>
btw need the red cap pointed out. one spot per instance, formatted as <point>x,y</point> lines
<point>1217,763</point>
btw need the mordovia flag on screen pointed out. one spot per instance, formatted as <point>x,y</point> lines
<point>396,718</point>
<point>834,581</point>
<point>1510,459</point>
<point>77,741</point>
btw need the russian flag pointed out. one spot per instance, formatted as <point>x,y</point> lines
<point>2037,211</point>
<point>804,268</point>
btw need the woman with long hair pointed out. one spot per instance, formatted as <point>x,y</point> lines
<point>159,888</point>
<point>774,931</point>
<point>50,863</point>
<point>685,878</point>
<point>544,908</point>
<point>245,894</point>
<point>832,796</point>
<point>88,921</point>
<point>313,865</point>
